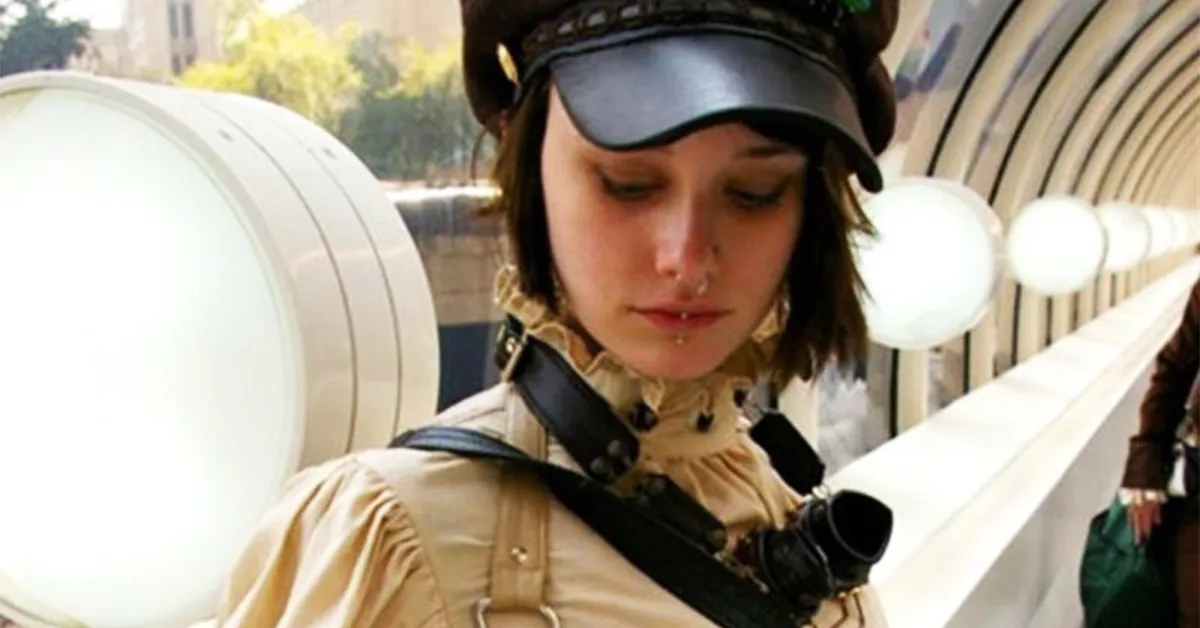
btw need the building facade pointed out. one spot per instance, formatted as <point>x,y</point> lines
<point>165,37</point>
<point>105,52</point>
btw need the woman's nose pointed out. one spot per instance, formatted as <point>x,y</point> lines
<point>686,245</point>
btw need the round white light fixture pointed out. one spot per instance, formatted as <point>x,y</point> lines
<point>1162,231</point>
<point>1056,245</point>
<point>1193,217</point>
<point>1128,235</point>
<point>935,266</point>
<point>202,292</point>
<point>1181,229</point>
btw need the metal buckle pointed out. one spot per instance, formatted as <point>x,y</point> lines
<point>484,606</point>
<point>513,347</point>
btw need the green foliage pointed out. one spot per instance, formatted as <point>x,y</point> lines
<point>232,16</point>
<point>284,59</point>
<point>412,120</point>
<point>380,75</point>
<point>30,39</point>
<point>401,108</point>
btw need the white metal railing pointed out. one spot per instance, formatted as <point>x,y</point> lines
<point>970,485</point>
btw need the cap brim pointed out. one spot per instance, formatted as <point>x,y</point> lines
<point>653,91</point>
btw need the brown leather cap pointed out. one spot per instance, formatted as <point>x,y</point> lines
<point>633,73</point>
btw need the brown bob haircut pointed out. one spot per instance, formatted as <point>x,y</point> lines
<point>825,321</point>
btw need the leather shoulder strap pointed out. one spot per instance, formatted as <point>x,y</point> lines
<point>520,551</point>
<point>681,567</point>
<point>582,421</point>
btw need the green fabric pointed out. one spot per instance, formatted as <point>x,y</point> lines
<point>1120,583</point>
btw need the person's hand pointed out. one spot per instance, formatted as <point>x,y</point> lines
<point>1143,516</point>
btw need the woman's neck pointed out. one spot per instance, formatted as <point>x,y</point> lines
<point>672,418</point>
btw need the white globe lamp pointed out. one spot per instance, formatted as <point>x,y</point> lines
<point>1193,226</point>
<point>1056,245</point>
<point>1128,235</point>
<point>202,293</point>
<point>1181,228</point>
<point>1162,231</point>
<point>934,267</point>
<point>1191,230</point>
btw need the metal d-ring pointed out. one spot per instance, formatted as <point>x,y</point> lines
<point>484,606</point>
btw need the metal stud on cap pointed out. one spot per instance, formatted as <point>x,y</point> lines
<point>508,64</point>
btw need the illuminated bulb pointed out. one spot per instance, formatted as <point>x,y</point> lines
<point>935,266</point>
<point>1056,245</point>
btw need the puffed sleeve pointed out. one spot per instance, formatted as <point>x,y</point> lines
<point>339,550</point>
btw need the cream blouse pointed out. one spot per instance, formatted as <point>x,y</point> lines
<point>409,539</point>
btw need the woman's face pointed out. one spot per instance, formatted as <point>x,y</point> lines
<point>670,257</point>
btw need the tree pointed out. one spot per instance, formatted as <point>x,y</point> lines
<point>30,39</point>
<point>232,17</point>
<point>412,120</point>
<point>380,75</point>
<point>284,59</point>
<point>443,130</point>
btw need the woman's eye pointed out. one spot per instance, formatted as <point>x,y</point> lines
<point>627,191</point>
<point>757,199</point>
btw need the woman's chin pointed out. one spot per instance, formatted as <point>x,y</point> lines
<point>676,362</point>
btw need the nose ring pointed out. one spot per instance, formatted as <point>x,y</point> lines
<point>701,287</point>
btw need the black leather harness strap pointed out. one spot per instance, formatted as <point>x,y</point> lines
<point>791,455</point>
<point>567,407</point>
<point>583,422</point>
<point>660,529</point>
<point>681,567</point>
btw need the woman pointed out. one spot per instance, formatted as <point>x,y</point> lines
<point>675,181</point>
<point>1171,402</point>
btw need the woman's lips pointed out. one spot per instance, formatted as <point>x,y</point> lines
<point>682,321</point>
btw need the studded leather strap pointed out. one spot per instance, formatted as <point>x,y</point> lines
<point>588,20</point>
<point>565,405</point>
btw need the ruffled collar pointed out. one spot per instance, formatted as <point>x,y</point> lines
<point>672,419</point>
